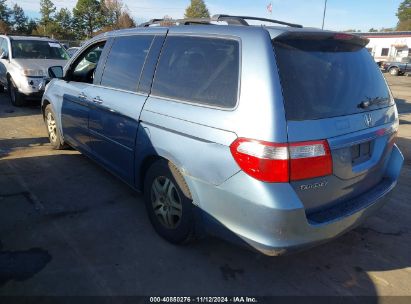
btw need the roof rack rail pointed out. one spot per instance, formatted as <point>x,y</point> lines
<point>231,20</point>
<point>153,21</point>
<point>193,21</point>
<point>22,35</point>
<point>242,20</point>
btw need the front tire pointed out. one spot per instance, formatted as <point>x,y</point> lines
<point>53,131</point>
<point>168,202</point>
<point>16,98</point>
<point>394,71</point>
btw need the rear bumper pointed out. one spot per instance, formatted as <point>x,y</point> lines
<point>272,219</point>
<point>314,233</point>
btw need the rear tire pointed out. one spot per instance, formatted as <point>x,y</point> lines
<point>16,98</point>
<point>168,202</point>
<point>53,131</point>
<point>394,71</point>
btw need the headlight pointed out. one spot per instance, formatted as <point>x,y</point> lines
<point>32,73</point>
<point>36,83</point>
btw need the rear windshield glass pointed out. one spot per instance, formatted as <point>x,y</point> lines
<point>328,78</point>
<point>36,49</point>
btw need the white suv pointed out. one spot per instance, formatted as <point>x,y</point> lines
<point>24,61</point>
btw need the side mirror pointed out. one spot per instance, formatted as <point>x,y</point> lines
<point>55,71</point>
<point>4,55</point>
<point>92,57</point>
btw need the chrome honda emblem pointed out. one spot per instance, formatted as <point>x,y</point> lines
<point>368,119</point>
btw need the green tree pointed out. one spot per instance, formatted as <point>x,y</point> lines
<point>19,20</point>
<point>197,9</point>
<point>112,10</point>
<point>47,9</point>
<point>46,25</point>
<point>372,30</point>
<point>116,16</point>
<point>64,24</point>
<point>4,13</point>
<point>404,16</point>
<point>31,26</point>
<point>88,17</point>
<point>404,25</point>
<point>125,21</point>
<point>4,27</point>
<point>64,18</point>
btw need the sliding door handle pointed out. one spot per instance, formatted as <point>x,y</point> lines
<point>97,100</point>
<point>82,96</point>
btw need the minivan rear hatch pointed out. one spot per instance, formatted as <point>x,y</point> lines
<point>334,91</point>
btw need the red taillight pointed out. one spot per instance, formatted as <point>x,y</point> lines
<point>262,160</point>
<point>310,159</point>
<point>280,163</point>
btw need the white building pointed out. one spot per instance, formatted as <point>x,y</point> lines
<point>389,46</point>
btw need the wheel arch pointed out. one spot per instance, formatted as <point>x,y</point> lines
<point>143,168</point>
<point>44,104</point>
<point>8,78</point>
<point>149,160</point>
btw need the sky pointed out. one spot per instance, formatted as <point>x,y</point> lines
<point>341,14</point>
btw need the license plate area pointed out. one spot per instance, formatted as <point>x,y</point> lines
<point>361,152</point>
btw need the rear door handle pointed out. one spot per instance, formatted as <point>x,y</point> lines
<point>97,100</point>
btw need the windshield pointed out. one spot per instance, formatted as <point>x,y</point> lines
<point>328,78</point>
<point>36,49</point>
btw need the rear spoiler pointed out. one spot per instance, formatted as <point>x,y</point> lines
<point>321,36</point>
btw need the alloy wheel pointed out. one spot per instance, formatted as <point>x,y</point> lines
<point>394,71</point>
<point>166,202</point>
<point>51,127</point>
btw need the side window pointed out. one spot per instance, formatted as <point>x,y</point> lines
<point>4,46</point>
<point>384,51</point>
<point>199,70</point>
<point>85,66</point>
<point>125,62</point>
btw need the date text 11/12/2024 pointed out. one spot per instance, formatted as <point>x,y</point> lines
<point>203,300</point>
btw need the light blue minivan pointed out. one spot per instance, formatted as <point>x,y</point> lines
<point>280,137</point>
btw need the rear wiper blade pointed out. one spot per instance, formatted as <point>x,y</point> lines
<point>372,101</point>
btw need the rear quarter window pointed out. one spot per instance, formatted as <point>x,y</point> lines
<point>199,70</point>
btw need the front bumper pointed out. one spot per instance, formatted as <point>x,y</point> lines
<point>34,96</point>
<point>32,87</point>
<point>272,219</point>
